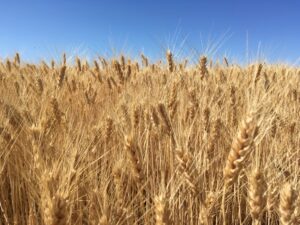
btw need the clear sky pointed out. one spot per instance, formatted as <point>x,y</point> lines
<point>43,29</point>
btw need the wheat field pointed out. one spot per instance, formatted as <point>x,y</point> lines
<point>122,141</point>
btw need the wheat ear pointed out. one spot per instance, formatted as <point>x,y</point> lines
<point>240,149</point>
<point>287,204</point>
<point>161,213</point>
<point>257,195</point>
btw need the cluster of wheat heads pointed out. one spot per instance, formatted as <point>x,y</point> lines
<point>122,142</point>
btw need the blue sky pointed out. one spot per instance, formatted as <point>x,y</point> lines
<point>43,29</point>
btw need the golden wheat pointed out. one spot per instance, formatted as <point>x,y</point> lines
<point>113,141</point>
